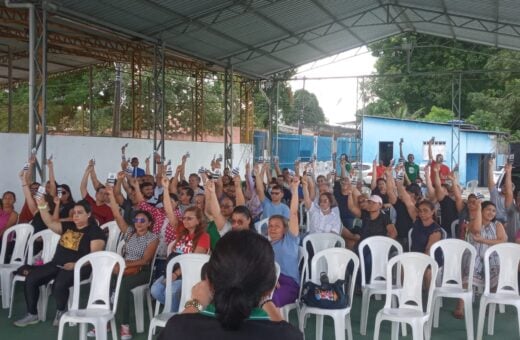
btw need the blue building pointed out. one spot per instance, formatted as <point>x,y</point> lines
<point>381,136</point>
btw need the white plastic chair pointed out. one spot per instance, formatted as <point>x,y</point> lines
<point>443,237</point>
<point>191,265</point>
<point>319,242</point>
<point>99,310</point>
<point>337,261</point>
<point>453,227</point>
<point>409,296</point>
<point>381,251</point>
<point>451,285</point>
<point>22,234</point>
<point>507,289</point>
<point>285,310</point>
<point>471,186</point>
<point>49,243</point>
<point>140,293</point>
<point>261,226</point>
<point>114,234</point>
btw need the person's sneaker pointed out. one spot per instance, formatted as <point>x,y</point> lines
<point>125,332</point>
<point>29,319</point>
<point>57,318</point>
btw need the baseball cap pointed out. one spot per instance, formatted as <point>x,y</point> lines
<point>376,199</point>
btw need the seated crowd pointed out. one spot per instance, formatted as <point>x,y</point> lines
<point>161,216</point>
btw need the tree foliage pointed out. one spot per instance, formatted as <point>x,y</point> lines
<point>418,85</point>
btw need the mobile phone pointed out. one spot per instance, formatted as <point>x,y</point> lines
<point>111,178</point>
<point>235,172</point>
<point>41,191</point>
<point>511,158</point>
<point>59,192</point>
<point>187,154</point>
<point>202,170</point>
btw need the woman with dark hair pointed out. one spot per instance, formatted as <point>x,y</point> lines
<point>240,278</point>
<point>140,247</point>
<point>8,216</point>
<point>78,238</point>
<point>66,202</point>
<point>241,219</point>
<point>285,241</point>
<point>484,232</point>
<point>191,237</point>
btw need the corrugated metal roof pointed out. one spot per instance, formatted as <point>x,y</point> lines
<point>260,37</point>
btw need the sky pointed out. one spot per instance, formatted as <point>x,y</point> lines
<point>337,97</point>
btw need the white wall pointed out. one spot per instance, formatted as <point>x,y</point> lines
<point>71,155</point>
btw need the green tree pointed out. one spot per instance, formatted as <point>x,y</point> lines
<point>440,115</point>
<point>312,112</point>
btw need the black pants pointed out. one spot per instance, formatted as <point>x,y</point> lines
<point>41,275</point>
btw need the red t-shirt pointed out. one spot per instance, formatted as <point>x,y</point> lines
<point>380,171</point>
<point>25,215</point>
<point>444,171</point>
<point>102,213</point>
<point>185,244</point>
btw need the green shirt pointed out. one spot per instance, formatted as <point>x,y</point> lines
<point>256,313</point>
<point>412,171</point>
<point>214,235</point>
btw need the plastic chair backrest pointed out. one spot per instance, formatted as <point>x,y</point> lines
<point>443,237</point>
<point>113,235</point>
<point>23,232</point>
<point>319,242</point>
<point>454,225</point>
<point>191,265</point>
<point>509,258</point>
<point>49,242</point>
<point>261,227</point>
<point>454,251</point>
<point>337,260</point>
<point>413,266</point>
<point>380,250</point>
<point>102,264</point>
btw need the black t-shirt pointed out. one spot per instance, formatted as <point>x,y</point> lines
<point>198,326</point>
<point>37,222</point>
<point>376,227</point>
<point>449,213</point>
<point>75,243</point>
<point>344,213</point>
<point>403,221</point>
<point>65,209</point>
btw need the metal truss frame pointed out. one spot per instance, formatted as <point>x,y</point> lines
<point>159,99</point>
<point>228,117</point>
<point>456,107</point>
<point>247,111</point>
<point>361,97</point>
<point>198,116</point>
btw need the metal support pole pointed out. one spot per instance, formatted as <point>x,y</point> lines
<point>10,88</point>
<point>246,112</point>
<point>116,119</point>
<point>90,99</point>
<point>199,105</point>
<point>228,117</point>
<point>159,119</point>
<point>359,118</point>
<point>276,116</point>
<point>456,93</point>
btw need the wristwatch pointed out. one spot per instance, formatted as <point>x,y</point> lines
<point>194,303</point>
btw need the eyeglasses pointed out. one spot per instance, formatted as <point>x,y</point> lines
<point>188,218</point>
<point>139,220</point>
<point>363,201</point>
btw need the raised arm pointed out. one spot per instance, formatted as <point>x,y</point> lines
<point>459,203</point>
<point>429,185</point>
<point>84,181</point>
<point>121,223</point>
<point>93,178</point>
<point>508,185</point>
<point>46,216</point>
<point>118,196</point>
<point>276,163</point>
<point>182,172</point>
<point>430,151</point>
<point>352,202</point>
<point>476,224</point>
<point>401,155</point>
<point>249,182</point>
<point>56,212</point>
<point>306,197</point>
<point>169,206</point>
<point>52,178</point>
<point>439,193</point>
<point>407,201</point>
<point>175,181</point>
<point>373,183</point>
<point>147,166</point>
<point>491,180</point>
<point>239,194</point>
<point>311,186</point>
<point>294,228</point>
<point>390,186</point>
<point>213,206</point>
<point>259,181</point>
<point>31,203</point>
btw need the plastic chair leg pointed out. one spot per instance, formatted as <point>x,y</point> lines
<point>113,328</point>
<point>417,331</point>
<point>339,328</point>
<point>395,331</point>
<point>365,301</point>
<point>437,309</point>
<point>377,327</point>
<point>139,310</point>
<point>491,318</point>
<point>481,318</point>
<point>83,331</point>
<point>319,327</point>
<point>101,330</point>
<point>348,325</point>
<point>5,284</point>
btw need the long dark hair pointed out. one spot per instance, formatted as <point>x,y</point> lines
<point>242,209</point>
<point>199,230</point>
<point>241,271</point>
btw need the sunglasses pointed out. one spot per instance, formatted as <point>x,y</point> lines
<point>139,220</point>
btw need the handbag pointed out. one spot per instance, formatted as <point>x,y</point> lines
<point>326,295</point>
<point>132,270</point>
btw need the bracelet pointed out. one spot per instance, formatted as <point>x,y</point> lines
<point>43,207</point>
<point>264,301</point>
